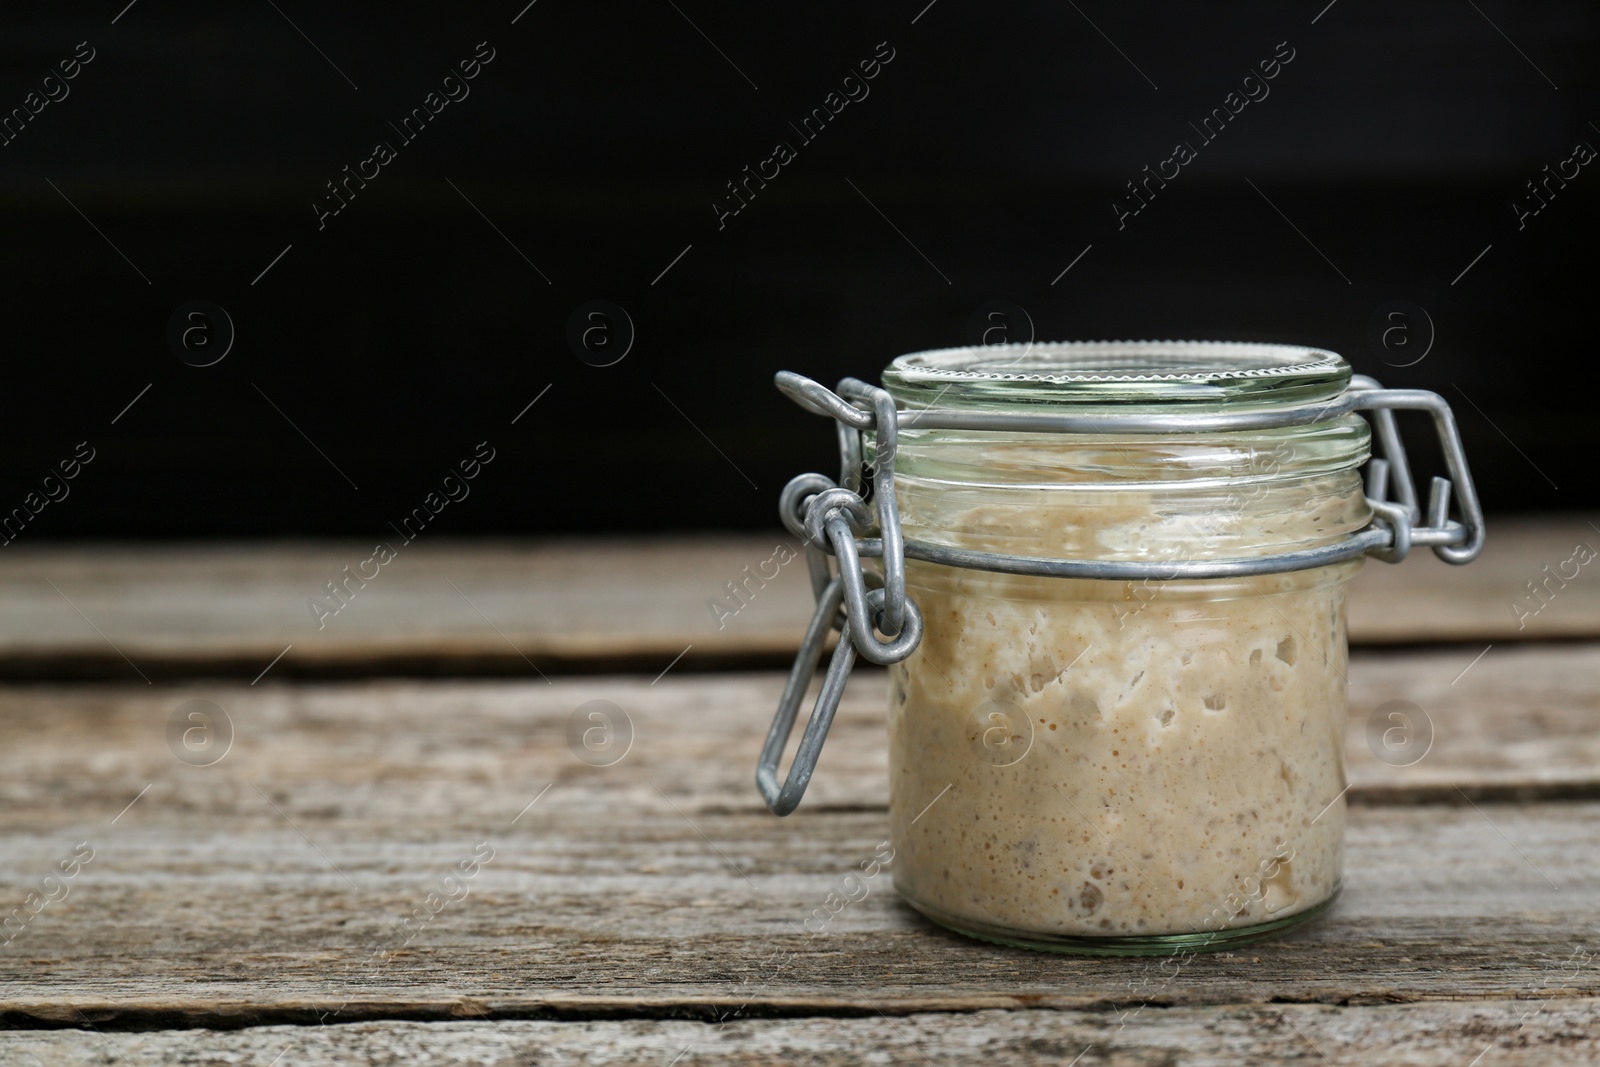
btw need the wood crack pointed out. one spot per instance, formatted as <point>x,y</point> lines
<point>109,1016</point>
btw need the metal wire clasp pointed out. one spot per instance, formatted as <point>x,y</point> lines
<point>835,519</point>
<point>828,517</point>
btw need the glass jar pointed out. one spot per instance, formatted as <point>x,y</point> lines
<point>1121,763</point>
<point>1139,749</point>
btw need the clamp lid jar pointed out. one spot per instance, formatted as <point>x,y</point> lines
<point>1111,587</point>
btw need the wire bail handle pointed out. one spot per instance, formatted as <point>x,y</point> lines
<point>834,519</point>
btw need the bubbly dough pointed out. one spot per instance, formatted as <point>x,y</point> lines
<point>1093,758</point>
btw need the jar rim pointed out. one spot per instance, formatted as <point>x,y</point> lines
<point>1116,374</point>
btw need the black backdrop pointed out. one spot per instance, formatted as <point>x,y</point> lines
<point>375,348</point>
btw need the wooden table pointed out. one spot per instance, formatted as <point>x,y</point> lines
<point>650,911</point>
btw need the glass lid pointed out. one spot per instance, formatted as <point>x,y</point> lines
<point>1116,374</point>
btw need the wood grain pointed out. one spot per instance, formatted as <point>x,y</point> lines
<point>222,923</point>
<point>1426,600</point>
<point>448,607</point>
<point>439,607</point>
<point>1491,1032</point>
<point>256,891</point>
<point>1513,721</point>
<point>1522,721</point>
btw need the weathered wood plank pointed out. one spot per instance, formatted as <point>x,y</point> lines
<point>254,926</point>
<point>1515,721</point>
<point>437,607</point>
<point>211,922</point>
<point>520,607</point>
<point>257,890</point>
<point>1518,1032</point>
<point>1424,600</point>
<point>1522,721</point>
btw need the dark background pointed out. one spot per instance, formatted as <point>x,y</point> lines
<point>408,330</point>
